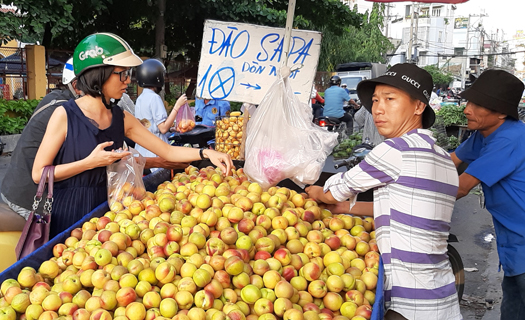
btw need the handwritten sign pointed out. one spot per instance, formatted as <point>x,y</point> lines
<point>239,61</point>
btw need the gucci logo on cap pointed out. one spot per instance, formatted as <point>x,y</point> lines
<point>411,81</point>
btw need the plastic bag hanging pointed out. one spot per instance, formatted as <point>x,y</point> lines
<point>185,120</point>
<point>125,179</point>
<point>282,142</point>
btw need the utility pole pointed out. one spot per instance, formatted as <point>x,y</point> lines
<point>409,51</point>
<point>467,48</point>
<point>416,13</point>
<point>387,19</point>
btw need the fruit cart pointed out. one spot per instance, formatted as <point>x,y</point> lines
<point>151,182</point>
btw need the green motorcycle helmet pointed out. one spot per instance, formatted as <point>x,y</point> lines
<point>103,49</point>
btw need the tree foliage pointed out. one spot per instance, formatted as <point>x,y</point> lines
<point>439,77</point>
<point>43,20</point>
<point>363,43</point>
<point>69,21</point>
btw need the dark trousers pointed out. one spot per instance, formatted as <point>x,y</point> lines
<point>317,110</point>
<point>513,303</point>
<point>392,315</point>
<point>349,123</point>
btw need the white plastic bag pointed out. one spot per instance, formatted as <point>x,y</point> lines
<point>282,142</point>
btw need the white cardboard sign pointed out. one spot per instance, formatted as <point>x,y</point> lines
<point>239,61</point>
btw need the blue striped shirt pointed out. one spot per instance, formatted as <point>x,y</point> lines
<point>415,185</point>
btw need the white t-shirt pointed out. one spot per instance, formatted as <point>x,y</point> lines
<point>150,110</point>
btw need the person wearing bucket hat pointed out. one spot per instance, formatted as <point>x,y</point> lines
<point>495,154</point>
<point>82,134</point>
<point>415,185</point>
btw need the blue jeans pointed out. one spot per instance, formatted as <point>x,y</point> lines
<point>513,303</point>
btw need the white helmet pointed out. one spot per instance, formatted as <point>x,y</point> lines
<point>68,74</point>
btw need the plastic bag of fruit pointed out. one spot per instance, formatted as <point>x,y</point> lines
<point>185,120</point>
<point>125,179</point>
<point>282,141</point>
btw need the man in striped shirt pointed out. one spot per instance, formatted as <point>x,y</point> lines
<point>415,185</point>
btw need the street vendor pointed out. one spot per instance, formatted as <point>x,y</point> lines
<point>495,154</point>
<point>82,134</point>
<point>415,185</point>
<point>209,110</point>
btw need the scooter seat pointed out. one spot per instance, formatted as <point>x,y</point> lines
<point>334,120</point>
<point>198,136</point>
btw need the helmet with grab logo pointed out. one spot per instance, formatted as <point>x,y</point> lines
<point>101,49</point>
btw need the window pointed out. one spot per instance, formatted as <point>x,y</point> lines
<point>440,36</point>
<point>424,12</point>
<point>407,11</point>
<point>436,11</point>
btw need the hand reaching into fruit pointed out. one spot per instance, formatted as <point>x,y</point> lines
<point>221,160</point>
<point>317,193</point>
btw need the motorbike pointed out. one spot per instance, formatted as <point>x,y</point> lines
<point>200,137</point>
<point>358,154</point>
<point>334,124</point>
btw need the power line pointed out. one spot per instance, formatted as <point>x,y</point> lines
<point>462,55</point>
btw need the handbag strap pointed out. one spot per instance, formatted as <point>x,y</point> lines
<point>50,181</point>
<point>42,183</point>
<point>48,176</point>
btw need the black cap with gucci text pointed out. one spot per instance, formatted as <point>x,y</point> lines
<point>408,77</point>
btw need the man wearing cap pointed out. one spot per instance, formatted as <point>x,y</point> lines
<point>415,184</point>
<point>495,154</point>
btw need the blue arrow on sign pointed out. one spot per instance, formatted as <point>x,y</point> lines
<point>255,87</point>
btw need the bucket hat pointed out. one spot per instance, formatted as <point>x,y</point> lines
<point>496,90</point>
<point>408,77</point>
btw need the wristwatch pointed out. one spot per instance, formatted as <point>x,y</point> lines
<point>201,153</point>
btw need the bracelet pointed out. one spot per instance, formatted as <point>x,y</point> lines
<point>201,153</point>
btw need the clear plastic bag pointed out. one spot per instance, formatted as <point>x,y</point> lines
<point>185,120</point>
<point>282,142</point>
<point>125,179</point>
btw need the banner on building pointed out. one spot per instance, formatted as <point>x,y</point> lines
<point>461,23</point>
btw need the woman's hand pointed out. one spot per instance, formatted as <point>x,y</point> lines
<point>101,158</point>
<point>180,102</point>
<point>221,160</point>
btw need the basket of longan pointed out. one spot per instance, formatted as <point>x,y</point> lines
<point>230,134</point>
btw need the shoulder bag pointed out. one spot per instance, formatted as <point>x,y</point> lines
<point>36,230</point>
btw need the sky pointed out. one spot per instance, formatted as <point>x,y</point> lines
<point>502,14</point>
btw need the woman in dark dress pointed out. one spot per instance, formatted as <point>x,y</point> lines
<point>82,134</point>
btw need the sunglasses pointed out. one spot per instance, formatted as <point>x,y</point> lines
<point>124,74</point>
